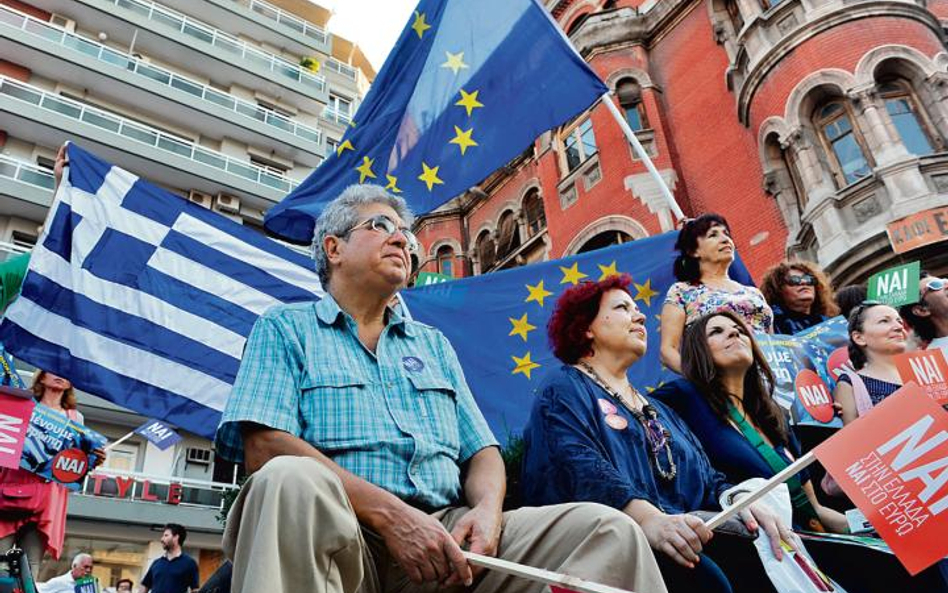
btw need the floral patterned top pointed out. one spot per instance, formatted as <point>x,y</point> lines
<point>700,299</point>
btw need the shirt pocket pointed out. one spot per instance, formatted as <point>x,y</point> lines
<point>438,408</point>
<point>337,411</point>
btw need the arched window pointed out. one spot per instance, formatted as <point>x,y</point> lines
<point>445,257</point>
<point>534,212</point>
<point>843,144</point>
<point>485,251</point>
<point>605,239</point>
<point>576,24</point>
<point>902,106</point>
<point>509,235</point>
<point>629,92</point>
<point>734,13</point>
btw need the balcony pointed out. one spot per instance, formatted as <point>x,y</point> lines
<point>174,38</point>
<point>337,117</point>
<point>344,70</point>
<point>56,53</point>
<point>48,119</point>
<point>26,190</point>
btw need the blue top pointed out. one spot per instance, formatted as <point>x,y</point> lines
<point>402,417</point>
<point>790,322</point>
<point>172,576</point>
<point>572,454</point>
<point>877,388</point>
<point>727,448</point>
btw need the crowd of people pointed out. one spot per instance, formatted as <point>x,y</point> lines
<point>372,468</point>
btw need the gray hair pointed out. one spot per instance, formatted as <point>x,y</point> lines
<point>343,213</point>
<point>79,558</point>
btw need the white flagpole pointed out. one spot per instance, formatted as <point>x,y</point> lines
<point>540,575</point>
<point>643,155</point>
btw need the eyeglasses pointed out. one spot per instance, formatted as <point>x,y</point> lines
<point>933,285</point>
<point>384,224</point>
<point>801,280</point>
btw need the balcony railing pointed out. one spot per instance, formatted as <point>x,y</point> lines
<point>242,52</point>
<point>194,493</point>
<point>142,133</point>
<point>337,116</point>
<point>130,63</point>
<point>343,69</point>
<point>26,172</point>
<point>286,19</point>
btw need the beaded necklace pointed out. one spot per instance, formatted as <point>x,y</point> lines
<point>657,436</point>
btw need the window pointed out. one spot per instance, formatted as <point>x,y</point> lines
<point>579,144</point>
<point>23,240</point>
<point>122,457</point>
<point>534,212</point>
<point>630,98</point>
<point>842,143</point>
<point>339,108</point>
<point>268,165</point>
<point>509,235</point>
<point>902,107</point>
<point>734,13</point>
<point>331,146</point>
<point>446,260</point>
<point>485,251</point>
<point>605,239</point>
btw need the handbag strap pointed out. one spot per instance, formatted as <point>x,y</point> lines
<point>860,392</point>
<point>799,499</point>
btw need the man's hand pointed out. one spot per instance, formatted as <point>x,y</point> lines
<point>759,515</point>
<point>480,529</point>
<point>424,548</point>
<point>680,537</point>
<point>59,164</point>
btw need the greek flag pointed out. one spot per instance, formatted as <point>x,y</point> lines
<point>145,299</point>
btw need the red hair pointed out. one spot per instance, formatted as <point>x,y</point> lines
<point>575,310</point>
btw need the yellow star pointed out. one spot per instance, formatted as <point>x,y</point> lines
<point>455,61</point>
<point>645,293</point>
<point>524,365</point>
<point>392,180</point>
<point>463,139</point>
<point>365,169</point>
<point>649,389</point>
<point>572,274</point>
<point>607,271</point>
<point>430,175</point>
<point>521,327</point>
<point>420,26</point>
<point>469,101</point>
<point>352,123</point>
<point>537,293</point>
<point>346,145</point>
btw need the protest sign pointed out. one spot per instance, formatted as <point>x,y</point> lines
<point>893,464</point>
<point>159,434</point>
<point>8,374</point>
<point>16,409</point>
<point>58,449</point>
<point>88,584</point>
<point>929,369</point>
<point>896,286</point>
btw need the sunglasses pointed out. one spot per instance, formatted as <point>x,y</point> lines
<point>383,224</point>
<point>801,280</point>
<point>933,285</point>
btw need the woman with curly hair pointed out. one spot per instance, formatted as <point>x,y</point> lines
<point>799,294</point>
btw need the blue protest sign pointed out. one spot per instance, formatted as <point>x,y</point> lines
<point>158,433</point>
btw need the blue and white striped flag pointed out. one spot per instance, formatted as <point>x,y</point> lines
<point>145,299</point>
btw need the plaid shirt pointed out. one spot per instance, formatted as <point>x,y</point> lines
<point>402,418</point>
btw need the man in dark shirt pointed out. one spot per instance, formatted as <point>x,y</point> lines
<point>175,572</point>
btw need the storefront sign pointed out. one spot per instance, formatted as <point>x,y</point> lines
<point>918,230</point>
<point>896,286</point>
<point>929,369</point>
<point>893,464</point>
<point>140,489</point>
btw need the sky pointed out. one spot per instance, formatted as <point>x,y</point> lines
<point>373,24</point>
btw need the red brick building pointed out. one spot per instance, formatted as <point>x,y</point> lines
<point>809,124</point>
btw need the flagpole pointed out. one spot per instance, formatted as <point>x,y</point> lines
<point>643,155</point>
<point>121,440</point>
<point>540,575</point>
<point>755,495</point>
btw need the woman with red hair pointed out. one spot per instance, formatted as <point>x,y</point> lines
<point>594,437</point>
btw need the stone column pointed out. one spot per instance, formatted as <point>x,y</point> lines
<point>883,144</point>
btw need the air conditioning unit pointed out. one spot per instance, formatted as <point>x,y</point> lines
<point>200,198</point>
<point>61,21</point>
<point>227,204</point>
<point>199,455</point>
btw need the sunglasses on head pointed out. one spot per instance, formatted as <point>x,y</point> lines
<point>383,224</point>
<point>933,285</point>
<point>801,280</point>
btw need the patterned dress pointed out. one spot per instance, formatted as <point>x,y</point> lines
<point>700,299</point>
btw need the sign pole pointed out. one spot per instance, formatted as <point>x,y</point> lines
<point>540,575</point>
<point>121,440</point>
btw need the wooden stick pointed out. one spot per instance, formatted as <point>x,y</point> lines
<point>540,575</point>
<point>781,477</point>
<point>121,440</point>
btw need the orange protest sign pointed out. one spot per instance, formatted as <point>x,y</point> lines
<point>893,464</point>
<point>919,229</point>
<point>814,395</point>
<point>929,369</point>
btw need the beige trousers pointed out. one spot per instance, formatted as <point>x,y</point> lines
<point>293,530</point>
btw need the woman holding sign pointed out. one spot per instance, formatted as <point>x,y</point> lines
<point>37,521</point>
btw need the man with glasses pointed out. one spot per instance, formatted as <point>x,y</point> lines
<point>799,295</point>
<point>929,316</point>
<point>371,465</point>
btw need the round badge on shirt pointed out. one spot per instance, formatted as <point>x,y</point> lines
<point>617,422</point>
<point>413,364</point>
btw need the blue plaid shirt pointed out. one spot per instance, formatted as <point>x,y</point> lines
<point>402,418</point>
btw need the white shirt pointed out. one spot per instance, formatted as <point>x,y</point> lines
<point>64,583</point>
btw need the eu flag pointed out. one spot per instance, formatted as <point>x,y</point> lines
<point>468,86</point>
<point>497,322</point>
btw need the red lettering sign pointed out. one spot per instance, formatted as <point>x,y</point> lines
<point>893,463</point>
<point>146,491</point>
<point>70,465</point>
<point>174,493</point>
<point>814,395</point>
<point>929,369</point>
<point>123,484</point>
